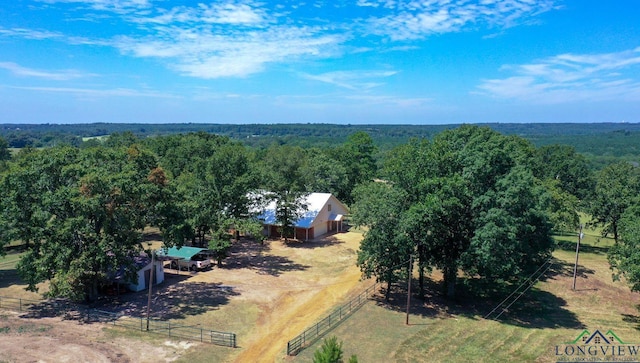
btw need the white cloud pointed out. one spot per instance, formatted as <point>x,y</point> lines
<point>95,93</point>
<point>59,75</point>
<point>108,5</point>
<point>30,33</point>
<point>353,80</point>
<point>228,12</point>
<point>205,53</point>
<point>571,78</point>
<point>419,19</point>
<point>237,38</point>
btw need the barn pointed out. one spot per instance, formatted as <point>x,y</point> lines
<point>324,214</point>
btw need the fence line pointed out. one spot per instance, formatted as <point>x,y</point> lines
<point>307,337</point>
<point>155,325</point>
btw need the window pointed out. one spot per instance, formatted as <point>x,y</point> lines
<point>329,207</point>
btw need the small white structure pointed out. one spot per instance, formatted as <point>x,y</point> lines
<point>143,263</point>
<point>324,214</point>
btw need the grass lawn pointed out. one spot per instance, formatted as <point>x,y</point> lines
<point>549,314</point>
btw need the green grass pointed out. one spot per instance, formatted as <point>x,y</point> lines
<point>549,314</point>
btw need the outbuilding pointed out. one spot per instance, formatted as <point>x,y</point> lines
<point>144,266</point>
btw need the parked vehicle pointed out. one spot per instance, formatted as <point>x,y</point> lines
<point>197,262</point>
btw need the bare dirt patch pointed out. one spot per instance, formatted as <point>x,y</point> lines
<point>267,294</point>
<point>56,340</point>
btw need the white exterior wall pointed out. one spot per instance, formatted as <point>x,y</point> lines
<point>320,223</point>
<point>159,276</point>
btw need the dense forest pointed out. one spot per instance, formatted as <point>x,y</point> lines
<point>601,143</point>
<point>466,198</point>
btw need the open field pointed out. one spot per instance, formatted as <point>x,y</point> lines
<point>268,294</point>
<point>265,294</point>
<point>549,314</point>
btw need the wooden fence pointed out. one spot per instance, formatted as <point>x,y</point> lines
<point>309,336</point>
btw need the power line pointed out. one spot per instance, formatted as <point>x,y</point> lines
<point>527,284</point>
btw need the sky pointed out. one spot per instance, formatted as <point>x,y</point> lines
<point>319,61</point>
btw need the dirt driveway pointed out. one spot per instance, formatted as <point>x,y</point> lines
<point>276,291</point>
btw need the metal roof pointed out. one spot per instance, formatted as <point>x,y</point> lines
<point>180,252</point>
<point>314,202</point>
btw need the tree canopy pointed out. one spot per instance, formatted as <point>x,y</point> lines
<point>82,213</point>
<point>469,202</point>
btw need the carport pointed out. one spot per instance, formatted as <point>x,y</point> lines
<point>174,254</point>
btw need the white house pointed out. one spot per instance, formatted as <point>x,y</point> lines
<point>324,214</point>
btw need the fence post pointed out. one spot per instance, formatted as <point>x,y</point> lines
<point>169,325</point>
<point>20,305</point>
<point>141,327</point>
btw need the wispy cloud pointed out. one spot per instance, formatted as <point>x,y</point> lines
<point>353,80</point>
<point>108,5</point>
<point>202,52</point>
<point>237,38</point>
<point>247,13</point>
<point>29,33</point>
<point>571,78</point>
<point>59,75</point>
<point>95,93</point>
<point>418,19</point>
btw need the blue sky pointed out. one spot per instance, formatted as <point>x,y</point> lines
<point>339,61</point>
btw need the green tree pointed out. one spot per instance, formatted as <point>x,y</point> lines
<point>441,226</point>
<point>357,157</point>
<point>220,244</point>
<point>624,256</point>
<point>467,193</point>
<point>616,186</point>
<point>563,164</point>
<point>213,179</point>
<point>92,209</point>
<point>325,174</point>
<point>513,235</point>
<point>331,352</point>
<point>284,179</point>
<point>5,154</point>
<point>384,251</point>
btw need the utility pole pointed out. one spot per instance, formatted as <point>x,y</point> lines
<point>409,287</point>
<point>153,268</point>
<point>575,268</point>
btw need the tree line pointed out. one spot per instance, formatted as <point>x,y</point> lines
<point>80,212</point>
<point>468,199</point>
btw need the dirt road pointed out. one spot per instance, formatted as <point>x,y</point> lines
<point>297,310</point>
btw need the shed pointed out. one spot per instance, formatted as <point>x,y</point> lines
<point>143,263</point>
<point>324,214</point>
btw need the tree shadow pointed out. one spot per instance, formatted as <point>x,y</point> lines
<point>173,299</point>
<point>254,256</point>
<point>586,248</point>
<point>325,241</point>
<point>634,319</point>
<point>534,309</point>
<point>9,277</point>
